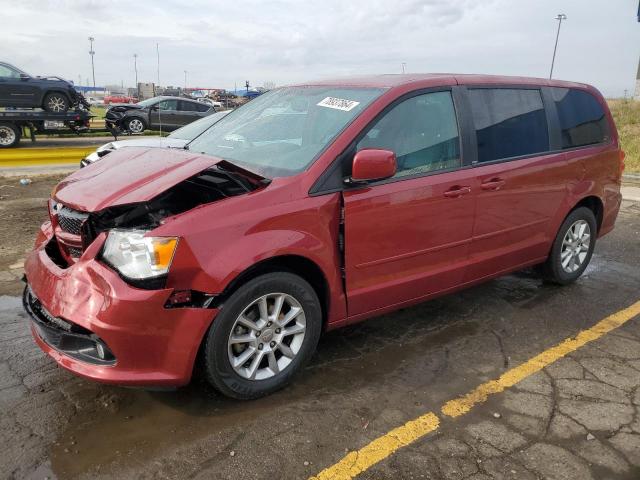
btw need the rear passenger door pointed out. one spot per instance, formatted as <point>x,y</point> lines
<point>407,237</point>
<point>521,183</point>
<point>189,112</point>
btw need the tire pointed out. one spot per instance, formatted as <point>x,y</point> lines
<point>571,252</point>
<point>55,102</point>
<point>271,343</point>
<point>9,135</point>
<point>136,125</point>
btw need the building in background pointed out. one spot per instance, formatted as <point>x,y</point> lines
<point>147,90</point>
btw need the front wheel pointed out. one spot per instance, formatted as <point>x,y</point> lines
<point>56,102</point>
<point>572,248</point>
<point>136,125</point>
<point>265,333</point>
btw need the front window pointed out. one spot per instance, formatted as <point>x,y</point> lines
<point>282,132</point>
<point>7,72</point>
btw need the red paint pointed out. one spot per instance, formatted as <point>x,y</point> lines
<point>372,164</point>
<point>405,241</point>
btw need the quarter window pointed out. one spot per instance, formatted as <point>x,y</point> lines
<point>422,131</point>
<point>509,122</point>
<point>582,118</point>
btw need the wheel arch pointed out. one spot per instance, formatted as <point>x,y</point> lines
<point>593,203</point>
<point>292,263</point>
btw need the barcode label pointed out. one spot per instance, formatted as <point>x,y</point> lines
<point>338,103</point>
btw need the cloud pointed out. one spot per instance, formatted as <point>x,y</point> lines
<point>286,41</point>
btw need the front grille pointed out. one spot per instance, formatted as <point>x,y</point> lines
<point>71,220</point>
<point>75,252</point>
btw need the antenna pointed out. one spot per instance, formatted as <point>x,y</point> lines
<point>159,109</point>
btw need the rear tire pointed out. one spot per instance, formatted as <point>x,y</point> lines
<point>250,350</point>
<point>9,135</point>
<point>55,102</point>
<point>573,247</point>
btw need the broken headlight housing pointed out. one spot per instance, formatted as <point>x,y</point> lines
<point>138,257</point>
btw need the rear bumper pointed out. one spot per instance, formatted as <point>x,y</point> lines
<point>151,345</point>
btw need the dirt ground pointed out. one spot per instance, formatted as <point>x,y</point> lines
<point>579,418</point>
<point>22,210</point>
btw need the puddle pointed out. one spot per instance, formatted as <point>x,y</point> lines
<point>146,423</point>
<point>9,302</point>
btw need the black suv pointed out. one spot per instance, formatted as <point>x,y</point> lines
<point>53,94</point>
<point>166,113</point>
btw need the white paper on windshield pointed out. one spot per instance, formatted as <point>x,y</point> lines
<point>339,103</point>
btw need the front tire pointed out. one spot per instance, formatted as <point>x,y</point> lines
<point>573,247</point>
<point>55,102</point>
<point>263,336</point>
<point>136,125</point>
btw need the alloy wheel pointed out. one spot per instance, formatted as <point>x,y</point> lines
<point>575,246</point>
<point>136,126</point>
<point>7,136</point>
<point>266,336</point>
<point>56,104</point>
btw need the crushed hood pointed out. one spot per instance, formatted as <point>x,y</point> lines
<point>130,175</point>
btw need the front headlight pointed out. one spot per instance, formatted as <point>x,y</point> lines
<point>136,256</point>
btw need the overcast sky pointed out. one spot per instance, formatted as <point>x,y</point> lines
<point>287,41</point>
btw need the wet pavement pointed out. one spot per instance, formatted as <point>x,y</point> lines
<point>576,419</point>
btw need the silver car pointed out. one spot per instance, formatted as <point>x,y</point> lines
<point>177,139</point>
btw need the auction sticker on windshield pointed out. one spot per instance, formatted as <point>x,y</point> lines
<point>339,103</point>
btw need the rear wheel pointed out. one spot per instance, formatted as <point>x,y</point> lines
<point>572,248</point>
<point>55,102</point>
<point>9,135</point>
<point>265,333</point>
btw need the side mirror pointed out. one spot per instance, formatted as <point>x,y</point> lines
<point>372,164</point>
<point>24,76</point>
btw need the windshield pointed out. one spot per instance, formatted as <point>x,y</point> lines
<point>148,101</point>
<point>192,130</point>
<point>281,132</point>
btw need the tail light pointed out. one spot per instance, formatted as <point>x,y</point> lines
<point>622,155</point>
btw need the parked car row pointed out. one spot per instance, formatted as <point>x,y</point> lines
<point>313,207</point>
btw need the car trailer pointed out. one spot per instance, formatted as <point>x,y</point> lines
<point>13,123</point>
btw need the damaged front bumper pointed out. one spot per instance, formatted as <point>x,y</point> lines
<point>97,326</point>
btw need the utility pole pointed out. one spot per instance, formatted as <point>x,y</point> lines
<point>560,17</point>
<point>135,68</point>
<point>92,53</point>
<point>185,81</point>
<point>404,64</point>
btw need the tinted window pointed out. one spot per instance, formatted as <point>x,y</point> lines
<point>582,118</point>
<point>509,122</point>
<point>168,105</point>
<point>422,131</point>
<point>188,107</point>
<point>202,107</point>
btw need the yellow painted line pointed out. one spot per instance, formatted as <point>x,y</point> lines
<point>24,157</point>
<point>358,461</point>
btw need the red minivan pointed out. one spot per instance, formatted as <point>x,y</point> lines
<point>312,207</point>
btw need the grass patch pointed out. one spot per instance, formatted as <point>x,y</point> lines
<point>626,114</point>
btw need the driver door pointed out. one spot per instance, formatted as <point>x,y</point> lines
<point>15,91</point>
<point>407,237</point>
<point>164,113</point>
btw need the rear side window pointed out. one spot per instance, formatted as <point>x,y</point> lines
<point>582,118</point>
<point>422,131</point>
<point>509,122</point>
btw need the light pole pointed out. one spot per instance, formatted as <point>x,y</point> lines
<point>92,53</point>
<point>135,68</point>
<point>404,64</point>
<point>560,17</point>
<point>185,81</point>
